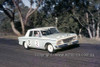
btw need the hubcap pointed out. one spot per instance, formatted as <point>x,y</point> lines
<point>50,48</point>
<point>25,45</point>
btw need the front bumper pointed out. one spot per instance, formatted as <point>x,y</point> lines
<point>66,44</point>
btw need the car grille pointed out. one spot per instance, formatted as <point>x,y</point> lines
<point>68,40</point>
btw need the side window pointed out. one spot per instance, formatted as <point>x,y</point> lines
<point>36,34</point>
<point>31,34</point>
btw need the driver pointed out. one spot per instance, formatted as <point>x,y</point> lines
<point>37,34</point>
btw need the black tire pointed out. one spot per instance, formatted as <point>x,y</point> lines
<point>77,45</point>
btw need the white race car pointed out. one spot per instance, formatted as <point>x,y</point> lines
<point>48,38</point>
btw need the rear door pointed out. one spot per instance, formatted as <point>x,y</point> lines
<point>35,39</point>
<point>31,39</point>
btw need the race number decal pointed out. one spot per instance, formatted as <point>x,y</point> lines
<point>37,43</point>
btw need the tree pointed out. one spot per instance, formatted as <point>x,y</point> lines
<point>62,10</point>
<point>24,20</point>
<point>73,15</point>
<point>84,12</point>
<point>85,15</point>
<point>10,12</point>
<point>97,3</point>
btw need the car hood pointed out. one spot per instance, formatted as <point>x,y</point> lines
<point>60,35</point>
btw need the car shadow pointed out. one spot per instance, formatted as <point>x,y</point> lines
<point>60,50</point>
<point>68,48</point>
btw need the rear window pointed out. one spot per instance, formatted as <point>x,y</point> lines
<point>31,34</point>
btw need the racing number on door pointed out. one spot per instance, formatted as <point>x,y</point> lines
<point>37,43</point>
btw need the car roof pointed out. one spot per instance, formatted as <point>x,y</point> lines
<point>41,28</point>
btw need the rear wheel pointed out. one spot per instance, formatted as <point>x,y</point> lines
<point>26,45</point>
<point>50,48</point>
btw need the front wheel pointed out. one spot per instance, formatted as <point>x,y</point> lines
<point>50,48</point>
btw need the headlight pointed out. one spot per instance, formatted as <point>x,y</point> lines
<point>75,38</point>
<point>59,42</point>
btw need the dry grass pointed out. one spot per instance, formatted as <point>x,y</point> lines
<point>81,40</point>
<point>9,37</point>
<point>89,41</point>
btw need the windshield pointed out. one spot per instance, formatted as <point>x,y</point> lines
<point>49,31</point>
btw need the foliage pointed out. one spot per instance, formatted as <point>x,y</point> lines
<point>5,26</point>
<point>72,15</point>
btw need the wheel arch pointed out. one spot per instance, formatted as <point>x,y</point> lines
<point>23,43</point>
<point>47,45</point>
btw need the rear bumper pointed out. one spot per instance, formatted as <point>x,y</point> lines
<point>66,44</point>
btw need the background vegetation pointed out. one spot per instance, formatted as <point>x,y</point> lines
<point>74,16</point>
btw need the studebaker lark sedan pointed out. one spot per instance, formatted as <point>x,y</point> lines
<point>48,38</point>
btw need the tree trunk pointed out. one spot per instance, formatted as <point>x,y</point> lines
<point>14,29</point>
<point>80,30</point>
<point>22,25</point>
<point>93,24</point>
<point>98,26</point>
<point>20,16</point>
<point>98,30</point>
<point>89,31</point>
<point>94,31</point>
<point>88,28</point>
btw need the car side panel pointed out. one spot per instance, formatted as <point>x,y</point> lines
<point>40,42</point>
